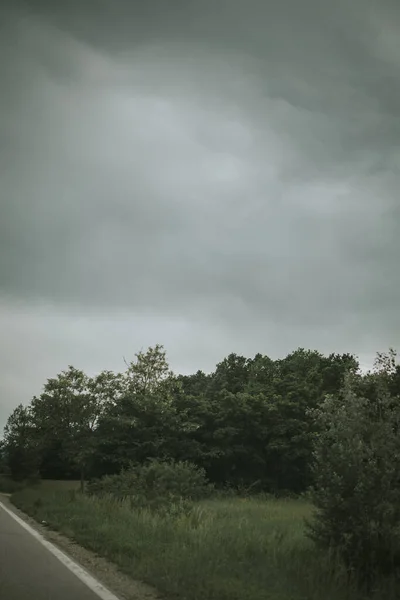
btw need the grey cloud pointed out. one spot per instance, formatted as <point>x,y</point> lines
<point>229,163</point>
<point>42,341</point>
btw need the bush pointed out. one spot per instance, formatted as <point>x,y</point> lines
<point>357,479</point>
<point>155,484</point>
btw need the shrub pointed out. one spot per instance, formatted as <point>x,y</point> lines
<point>155,484</point>
<point>357,479</point>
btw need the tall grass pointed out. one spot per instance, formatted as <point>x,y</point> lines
<point>9,486</point>
<point>228,549</point>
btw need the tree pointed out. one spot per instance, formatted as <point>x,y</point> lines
<point>231,374</point>
<point>149,372</point>
<point>261,376</point>
<point>334,369</point>
<point>3,464</point>
<point>106,388</point>
<point>247,422</point>
<point>66,415</point>
<point>20,447</point>
<point>196,384</point>
<point>237,430</point>
<point>357,474</point>
<point>143,422</point>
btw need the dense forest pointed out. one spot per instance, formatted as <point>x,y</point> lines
<point>248,424</point>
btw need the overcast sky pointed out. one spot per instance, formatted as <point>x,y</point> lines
<point>217,176</point>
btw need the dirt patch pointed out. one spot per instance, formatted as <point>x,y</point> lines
<point>107,573</point>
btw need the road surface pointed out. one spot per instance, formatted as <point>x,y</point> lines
<point>31,568</point>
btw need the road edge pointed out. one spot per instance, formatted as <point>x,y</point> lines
<point>84,576</point>
<point>123,585</point>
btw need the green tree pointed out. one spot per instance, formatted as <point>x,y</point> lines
<point>334,369</point>
<point>261,375</point>
<point>357,474</point>
<point>150,372</point>
<point>20,447</point>
<point>144,421</point>
<point>106,388</point>
<point>238,428</point>
<point>247,422</point>
<point>196,384</point>
<point>231,374</point>
<point>66,415</point>
<point>3,463</point>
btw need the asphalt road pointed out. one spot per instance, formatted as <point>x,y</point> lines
<point>29,570</point>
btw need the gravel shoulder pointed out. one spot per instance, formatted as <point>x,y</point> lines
<point>107,573</point>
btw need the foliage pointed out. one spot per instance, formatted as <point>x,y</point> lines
<point>149,373</point>
<point>155,484</point>
<point>66,416</point>
<point>20,448</point>
<point>3,460</point>
<point>357,474</point>
<point>246,423</point>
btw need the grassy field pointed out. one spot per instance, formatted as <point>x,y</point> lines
<point>8,486</point>
<point>223,550</point>
<point>49,485</point>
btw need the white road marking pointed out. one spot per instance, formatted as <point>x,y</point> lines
<point>92,583</point>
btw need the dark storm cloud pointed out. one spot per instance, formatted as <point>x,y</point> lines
<point>231,164</point>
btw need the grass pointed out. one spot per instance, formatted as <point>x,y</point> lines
<point>223,550</point>
<point>59,485</point>
<point>10,486</point>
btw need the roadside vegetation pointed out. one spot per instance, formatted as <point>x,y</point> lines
<point>266,479</point>
<point>9,486</point>
<point>221,549</point>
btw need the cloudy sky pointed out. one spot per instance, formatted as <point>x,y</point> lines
<point>217,176</point>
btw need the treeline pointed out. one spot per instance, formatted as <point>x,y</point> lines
<point>247,423</point>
